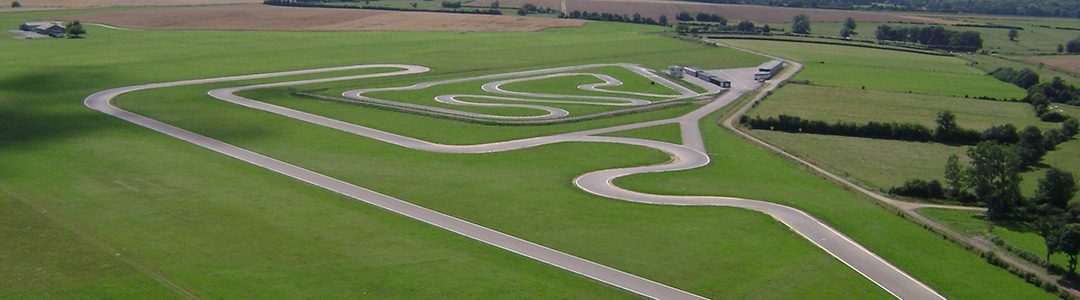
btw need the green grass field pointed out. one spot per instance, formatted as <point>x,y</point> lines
<point>1033,39</point>
<point>224,229</point>
<point>228,229</point>
<point>886,70</point>
<point>990,63</point>
<point>740,169</point>
<point>861,106</point>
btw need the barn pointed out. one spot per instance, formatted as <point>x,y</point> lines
<point>53,29</point>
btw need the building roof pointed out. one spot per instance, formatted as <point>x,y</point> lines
<point>771,64</point>
<point>43,25</point>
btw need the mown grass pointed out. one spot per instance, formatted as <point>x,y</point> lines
<point>861,106</point>
<point>876,69</point>
<point>224,229</point>
<point>528,193</point>
<point>665,133</point>
<point>990,63</point>
<point>879,164</point>
<point>742,170</point>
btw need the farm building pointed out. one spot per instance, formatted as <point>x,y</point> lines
<point>769,69</point>
<point>700,74</point>
<point>53,29</point>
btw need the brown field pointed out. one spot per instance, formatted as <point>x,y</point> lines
<point>102,3</point>
<point>655,8</point>
<point>273,18</point>
<point>1068,63</point>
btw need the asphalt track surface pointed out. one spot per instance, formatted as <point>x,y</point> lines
<point>687,156</point>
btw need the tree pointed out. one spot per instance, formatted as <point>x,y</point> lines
<point>800,24</point>
<point>1073,46</point>
<point>1013,34</point>
<point>745,26</point>
<point>1030,148</point>
<point>684,16</point>
<point>1066,240</point>
<point>1060,48</point>
<point>16,4</point>
<point>663,20</point>
<point>995,177</point>
<point>1056,188</point>
<point>954,177</point>
<point>75,29</point>
<point>637,18</point>
<point>845,32</point>
<point>850,23</point>
<point>1070,127</point>
<point>765,29</point>
<point>521,12</point>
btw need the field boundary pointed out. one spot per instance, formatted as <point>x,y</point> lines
<point>797,39</point>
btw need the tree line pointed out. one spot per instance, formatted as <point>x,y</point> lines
<point>1031,142</point>
<point>932,36</point>
<point>1041,95</point>
<point>318,3</point>
<point>1045,8</point>
<point>612,17</point>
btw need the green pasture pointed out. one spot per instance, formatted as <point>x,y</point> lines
<point>861,106</point>
<point>877,69</point>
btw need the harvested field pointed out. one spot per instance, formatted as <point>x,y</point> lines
<point>654,8</point>
<point>1067,63</point>
<point>273,18</point>
<point>104,3</point>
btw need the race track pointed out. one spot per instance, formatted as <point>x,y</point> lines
<point>687,156</point>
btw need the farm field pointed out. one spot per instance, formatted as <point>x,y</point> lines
<point>1033,39</point>
<point>855,105</point>
<point>854,67</point>
<point>109,3</point>
<point>654,9</point>
<point>1068,63</point>
<point>990,63</point>
<point>272,18</point>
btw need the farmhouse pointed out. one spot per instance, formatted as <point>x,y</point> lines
<point>53,29</point>
<point>769,69</point>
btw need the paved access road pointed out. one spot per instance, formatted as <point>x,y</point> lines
<point>687,156</point>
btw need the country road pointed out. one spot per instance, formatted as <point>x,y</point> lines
<point>687,156</point>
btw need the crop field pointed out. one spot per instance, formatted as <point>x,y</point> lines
<point>1068,63</point>
<point>855,67</point>
<point>273,18</point>
<point>108,3</point>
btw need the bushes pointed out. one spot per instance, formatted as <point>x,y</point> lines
<point>919,188</point>
<point>1023,78</point>
<point>933,36</point>
<point>878,130</point>
<point>637,18</point>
